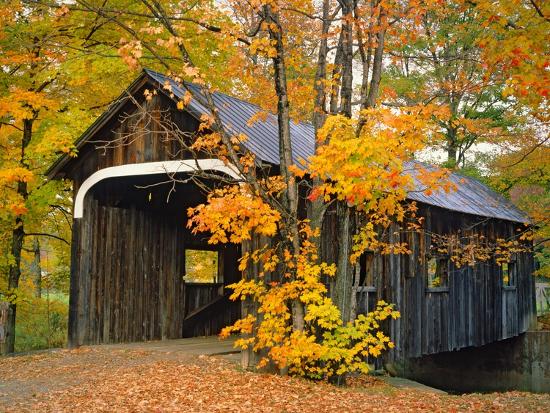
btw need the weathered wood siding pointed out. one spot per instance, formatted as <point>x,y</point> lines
<point>127,260</point>
<point>476,309</point>
<point>126,277</point>
<point>128,271</point>
<point>144,139</point>
<point>201,294</point>
<point>208,308</point>
<point>128,249</point>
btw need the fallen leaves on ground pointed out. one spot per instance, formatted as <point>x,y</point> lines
<point>100,380</point>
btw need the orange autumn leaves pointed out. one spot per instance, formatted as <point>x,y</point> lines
<point>232,214</point>
<point>367,169</point>
<point>364,161</point>
<point>516,41</point>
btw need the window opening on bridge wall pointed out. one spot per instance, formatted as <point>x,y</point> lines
<point>508,270</point>
<point>367,276</point>
<point>437,270</point>
<point>203,266</point>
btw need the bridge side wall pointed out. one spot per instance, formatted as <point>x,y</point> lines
<point>127,277</point>
<point>133,135</point>
<point>127,269</point>
<point>128,248</point>
<point>474,310</point>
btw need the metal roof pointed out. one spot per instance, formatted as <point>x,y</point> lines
<point>470,196</point>
<point>263,139</point>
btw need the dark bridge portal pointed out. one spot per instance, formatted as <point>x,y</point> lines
<point>129,252</point>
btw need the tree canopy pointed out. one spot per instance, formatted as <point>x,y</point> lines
<point>381,81</point>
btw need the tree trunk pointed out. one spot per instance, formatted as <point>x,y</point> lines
<point>451,155</point>
<point>316,209</point>
<point>13,282</point>
<point>344,272</point>
<point>336,71</point>
<point>319,112</point>
<point>283,118</point>
<point>345,216</point>
<point>347,58</point>
<point>18,234</point>
<point>377,63</point>
<point>345,293</point>
<point>3,321</point>
<point>36,268</point>
<point>355,287</point>
<point>249,358</point>
<point>285,151</point>
<point>451,148</point>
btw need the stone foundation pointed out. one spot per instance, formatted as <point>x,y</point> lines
<point>519,363</point>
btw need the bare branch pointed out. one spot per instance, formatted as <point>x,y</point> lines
<point>43,234</point>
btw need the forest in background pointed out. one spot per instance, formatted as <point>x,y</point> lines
<point>63,64</point>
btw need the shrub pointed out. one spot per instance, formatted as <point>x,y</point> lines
<point>41,322</point>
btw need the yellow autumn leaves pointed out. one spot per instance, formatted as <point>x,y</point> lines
<point>325,346</point>
<point>363,160</point>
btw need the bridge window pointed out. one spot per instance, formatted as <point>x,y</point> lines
<point>202,266</point>
<point>437,270</point>
<point>508,270</point>
<point>366,266</point>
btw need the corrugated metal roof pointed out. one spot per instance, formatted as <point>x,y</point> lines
<point>235,114</point>
<point>470,196</point>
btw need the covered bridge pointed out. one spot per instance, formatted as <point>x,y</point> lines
<point>138,273</point>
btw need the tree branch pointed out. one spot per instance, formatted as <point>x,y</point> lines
<point>538,145</point>
<point>43,234</point>
<point>539,10</point>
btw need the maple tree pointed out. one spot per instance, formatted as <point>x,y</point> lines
<point>523,173</point>
<point>21,105</point>
<point>488,60</point>
<point>296,59</point>
<point>265,196</point>
<point>516,41</point>
<point>443,64</point>
<point>318,61</point>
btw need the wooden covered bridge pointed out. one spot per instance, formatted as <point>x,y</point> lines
<point>139,274</point>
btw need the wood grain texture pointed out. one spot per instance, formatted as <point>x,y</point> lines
<point>127,280</point>
<point>476,309</point>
